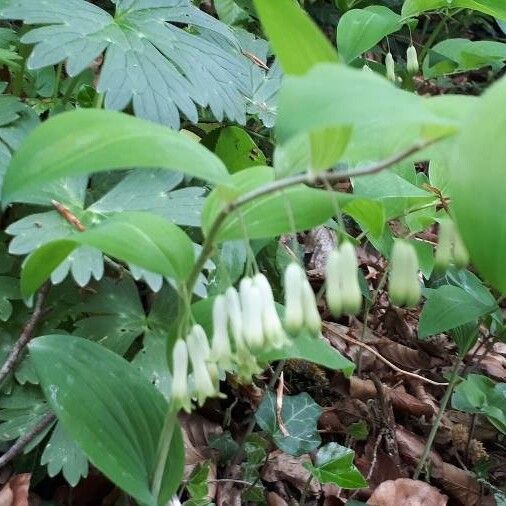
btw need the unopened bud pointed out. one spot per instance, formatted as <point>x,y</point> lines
<point>390,66</point>
<point>294,312</point>
<point>235,316</point>
<point>411,60</point>
<point>350,287</point>
<point>180,392</point>
<point>333,284</point>
<point>221,351</point>
<point>273,329</point>
<point>443,255</point>
<point>312,318</point>
<point>199,355</point>
<point>460,253</point>
<point>251,305</point>
<point>404,286</point>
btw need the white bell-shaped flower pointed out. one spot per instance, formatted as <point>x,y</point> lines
<point>220,351</point>
<point>235,317</point>
<point>251,305</point>
<point>294,312</point>
<point>333,293</point>
<point>180,391</point>
<point>312,318</point>
<point>350,287</point>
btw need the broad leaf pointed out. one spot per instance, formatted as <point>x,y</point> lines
<point>361,29</point>
<point>330,91</point>
<point>294,209</point>
<point>478,164</point>
<point>149,61</point>
<point>63,454</point>
<point>166,249</point>
<point>299,415</point>
<point>462,55</point>
<point>86,141</point>
<point>307,347</point>
<point>448,307</point>
<point>479,394</point>
<point>334,464</point>
<point>120,434</point>
<point>494,8</point>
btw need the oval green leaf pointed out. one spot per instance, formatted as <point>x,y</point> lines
<point>145,240</point>
<point>113,412</point>
<point>92,140</point>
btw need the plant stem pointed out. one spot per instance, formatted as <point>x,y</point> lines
<point>310,179</point>
<point>435,426</point>
<point>305,490</point>
<point>24,51</point>
<point>433,36</point>
<point>99,101</point>
<point>163,450</point>
<point>59,71</point>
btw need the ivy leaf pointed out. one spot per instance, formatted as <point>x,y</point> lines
<point>334,464</point>
<point>63,454</point>
<point>117,316</point>
<point>160,67</point>
<point>299,415</point>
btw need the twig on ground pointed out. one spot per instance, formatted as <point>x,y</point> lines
<point>279,405</point>
<point>383,359</point>
<point>26,334</point>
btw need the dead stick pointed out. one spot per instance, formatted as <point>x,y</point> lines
<point>26,334</point>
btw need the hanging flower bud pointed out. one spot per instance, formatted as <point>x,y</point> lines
<point>221,352</point>
<point>294,313</point>
<point>411,60</point>
<point>333,284</point>
<point>404,286</point>
<point>251,305</point>
<point>350,287</point>
<point>390,66</point>
<point>235,316</point>
<point>460,253</point>
<point>445,238</point>
<point>199,355</point>
<point>312,318</point>
<point>273,329</point>
<point>180,392</point>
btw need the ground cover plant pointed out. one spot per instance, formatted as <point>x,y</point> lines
<point>252,252</point>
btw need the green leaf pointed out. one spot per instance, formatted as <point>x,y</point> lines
<point>115,315</point>
<point>296,39</point>
<point>9,290</point>
<point>479,394</point>
<point>148,61</point>
<point>235,148</point>
<point>448,307</point>
<point>63,454</point>
<point>165,248</point>
<point>120,434</point>
<point>294,209</point>
<point>369,214</point>
<point>451,56</point>
<point>86,141</point>
<point>494,8</point>
<point>307,347</point>
<point>477,163</point>
<point>334,464</point>
<point>329,91</point>
<point>229,12</point>
<point>361,29</point>
<point>300,416</point>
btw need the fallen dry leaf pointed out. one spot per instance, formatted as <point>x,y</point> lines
<point>283,467</point>
<point>15,491</point>
<point>274,499</point>
<point>408,492</point>
<point>320,242</point>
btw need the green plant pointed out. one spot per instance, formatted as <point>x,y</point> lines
<point>189,214</point>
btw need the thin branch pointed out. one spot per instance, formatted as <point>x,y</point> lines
<point>26,438</point>
<point>26,334</point>
<point>381,357</point>
<point>310,179</point>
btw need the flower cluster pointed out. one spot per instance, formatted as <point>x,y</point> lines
<point>343,289</point>
<point>244,322</point>
<point>404,285</point>
<point>450,247</point>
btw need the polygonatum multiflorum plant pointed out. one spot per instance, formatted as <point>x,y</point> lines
<point>173,297</point>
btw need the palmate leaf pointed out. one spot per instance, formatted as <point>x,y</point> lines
<point>159,67</point>
<point>153,191</point>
